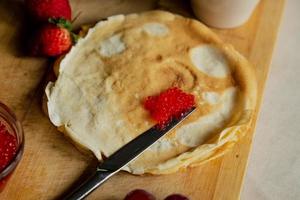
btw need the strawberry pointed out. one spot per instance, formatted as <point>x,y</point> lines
<point>42,10</point>
<point>176,197</point>
<point>53,39</point>
<point>139,194</point>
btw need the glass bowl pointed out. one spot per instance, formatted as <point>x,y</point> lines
<point>13,126</point>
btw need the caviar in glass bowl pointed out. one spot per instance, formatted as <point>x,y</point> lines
<point>11,144</point>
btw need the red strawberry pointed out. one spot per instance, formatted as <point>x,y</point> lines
<point>139,194</point>
<point>42,10</point>
<point>176,197</point>
<point>52,40</point>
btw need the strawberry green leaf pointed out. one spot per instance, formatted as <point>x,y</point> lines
<point>61,22</point>
<point>75,37</point>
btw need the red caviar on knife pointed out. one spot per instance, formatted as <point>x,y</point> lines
<point>169,104</point>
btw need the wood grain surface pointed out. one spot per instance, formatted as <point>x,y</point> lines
<point>51,165</point>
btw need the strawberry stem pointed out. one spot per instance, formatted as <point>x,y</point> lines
<point>74,37</point>
<point>76,17</point>
<point>61,22</point>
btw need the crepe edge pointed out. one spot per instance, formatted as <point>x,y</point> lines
<point>223,142</point>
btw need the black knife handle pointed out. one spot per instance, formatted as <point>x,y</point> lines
<point>90,184</point>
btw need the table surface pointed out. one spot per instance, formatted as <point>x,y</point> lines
<point>50,164</point>
<point>274,165</point>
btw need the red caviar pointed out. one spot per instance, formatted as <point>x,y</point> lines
<point>169,104</point>
<point>8,149</point>
<point>8,146</point>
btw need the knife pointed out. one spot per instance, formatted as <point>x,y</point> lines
<point>123,156</point>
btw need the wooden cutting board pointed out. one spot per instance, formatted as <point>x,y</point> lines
<point>51,165</point>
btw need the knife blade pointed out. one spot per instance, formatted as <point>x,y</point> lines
<point>123,156</point>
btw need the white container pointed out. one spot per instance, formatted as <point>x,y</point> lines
<point>223,13</point>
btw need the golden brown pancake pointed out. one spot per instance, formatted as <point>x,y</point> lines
<point>97,99</point>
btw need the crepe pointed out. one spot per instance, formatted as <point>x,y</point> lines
<point>97,99</point>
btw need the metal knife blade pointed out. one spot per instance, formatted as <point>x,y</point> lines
<point>123,156</point>
<point>138,145</point>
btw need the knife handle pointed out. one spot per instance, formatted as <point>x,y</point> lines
<point>90,184</point>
